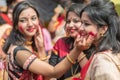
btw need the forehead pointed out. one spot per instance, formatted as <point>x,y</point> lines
<point>85,17</point>
<point>28,12</point>
<point>72,15</point>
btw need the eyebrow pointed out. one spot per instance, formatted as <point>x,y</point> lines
<point>26,18</point>
<point>86,21</point>
<point>75,18</point>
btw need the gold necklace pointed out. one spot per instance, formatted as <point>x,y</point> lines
<point>75,71</point>
<point>28,43</point>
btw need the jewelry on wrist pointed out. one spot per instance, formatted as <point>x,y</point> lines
<point>82,57</point>
<point>44,58</point>
<point>70,60</point>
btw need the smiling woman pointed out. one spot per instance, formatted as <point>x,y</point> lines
<point>25,48</point>
<point>99,18</point>
<point>27,22</point>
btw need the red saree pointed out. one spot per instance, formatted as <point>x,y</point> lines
<point>84,69</point>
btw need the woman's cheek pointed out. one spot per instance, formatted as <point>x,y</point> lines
<point>21,29</point>
<point>93,34</point>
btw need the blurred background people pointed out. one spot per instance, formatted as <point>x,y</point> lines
<point>57,24</point>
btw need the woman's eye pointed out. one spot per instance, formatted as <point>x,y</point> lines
<point>86,24</point>
<point>22,20</point>
<point>68,21</point>
<point>76,20</point>
<point>34,18</point>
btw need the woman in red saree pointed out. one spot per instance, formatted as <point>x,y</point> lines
<point>64,45</point>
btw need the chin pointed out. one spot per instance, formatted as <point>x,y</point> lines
<point>30,35</point>
<point>73,35</point>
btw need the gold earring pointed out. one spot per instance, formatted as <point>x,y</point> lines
<point>67,35</point>
<point>101,34</point>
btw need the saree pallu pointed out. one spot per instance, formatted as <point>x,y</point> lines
<point>104,66</point>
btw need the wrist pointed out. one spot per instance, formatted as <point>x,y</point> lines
<point>70,59</point>
<point>76,50</point>
<point>81,57</point>
<point>44,58</point>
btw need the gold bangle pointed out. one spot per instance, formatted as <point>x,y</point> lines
<point>82,57</point>
<point>43,59</point>
<point>70,60</point>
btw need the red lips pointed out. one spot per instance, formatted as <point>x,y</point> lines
<point>30,29</point>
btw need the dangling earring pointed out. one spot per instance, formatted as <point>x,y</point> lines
<point>67,35</point>
<point>101,34</point>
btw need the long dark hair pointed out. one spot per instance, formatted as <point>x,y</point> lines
<point>16,38</point>
<point>103,13</point>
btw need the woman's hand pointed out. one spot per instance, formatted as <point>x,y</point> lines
<point>83,42</point>
<point>39,41</point>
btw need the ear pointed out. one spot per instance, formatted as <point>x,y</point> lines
<point>103,29</point>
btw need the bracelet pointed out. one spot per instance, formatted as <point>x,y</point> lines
<point>70,60</point>
<point>43,59</point>
<point>82,57</point>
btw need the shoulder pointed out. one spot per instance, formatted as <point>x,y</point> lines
<point>14,49</point>
<point>101,59</point>
<point>61,41</point>
<point>101,56</point>
<point>106,56</point>
<point>103,67</point>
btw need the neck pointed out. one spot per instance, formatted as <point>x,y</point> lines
<point>28,43</point>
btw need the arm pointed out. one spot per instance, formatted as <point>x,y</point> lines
<point>40,67</point>
<point>82,59</point>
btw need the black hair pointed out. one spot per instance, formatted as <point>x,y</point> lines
<point>76,8</point>
<point>15,37</point>
<point>103,13</point>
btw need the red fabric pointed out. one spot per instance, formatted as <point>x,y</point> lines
<point>39,77</point>
<point>75,79</point>
<point>85,68</point>
<point>59,20</point>
<point>26,76</point>
<point>6,18</point>
<point>61,51</point>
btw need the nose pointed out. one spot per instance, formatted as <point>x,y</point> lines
<point>30,23</point>
<point>81,27</point>
<point>71,24</point>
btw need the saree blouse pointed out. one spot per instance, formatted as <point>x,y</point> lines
<point>16,72</point>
